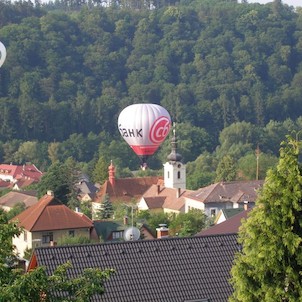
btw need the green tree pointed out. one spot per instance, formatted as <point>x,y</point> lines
<point>187,224</point>
<point>57,180</point>
<point>16,209</point>
<point>32,286</point>
<point>226,169</point>
<point>100,171</point>
<point>106,209</point>
<point>269,266</point>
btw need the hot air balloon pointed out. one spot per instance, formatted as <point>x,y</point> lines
<point>2,53</point>
<point>144,127</point>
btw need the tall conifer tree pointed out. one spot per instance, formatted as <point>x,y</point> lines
<point>269,267</point>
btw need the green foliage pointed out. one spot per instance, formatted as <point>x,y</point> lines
<point>270,264</point>
<point>106,209</point>
<point>182,224</point>
<point>247,165</point>
<point>16,209</point>
<point>100,172</point>
<point>226,169</point>
<point>32,286</point>
<point>73,240</point>
<point>228,73</point>
<point>187,224</point>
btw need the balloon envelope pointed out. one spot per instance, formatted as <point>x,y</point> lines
<point>2,53</point>
<point>144,127</point>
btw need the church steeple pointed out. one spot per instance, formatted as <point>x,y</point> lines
<point>174,169</point>
<point>174,156</point>
<point>111,170</point>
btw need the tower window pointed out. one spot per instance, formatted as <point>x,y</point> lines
<point>168,174</point>
<point>178,174</point>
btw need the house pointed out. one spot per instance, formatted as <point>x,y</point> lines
<point>48,221</point>
<point>126,190</point>
<point>86,190</point>
<point>12,173</point>
<point>21,184</point>
<point>170,195</point>
<point>11,199</point>
<point>112,230</point>
<point>160,198</point>
<point>228,226</point>
<point>225,214</point>
<point>170,269</point>
<point>223,195</point>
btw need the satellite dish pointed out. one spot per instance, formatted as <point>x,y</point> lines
<point>131,234</point>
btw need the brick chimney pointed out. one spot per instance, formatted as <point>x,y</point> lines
<point>162,231</point>
<point>111,170</point>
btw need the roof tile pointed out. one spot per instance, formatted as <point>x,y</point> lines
<point>172,269</point>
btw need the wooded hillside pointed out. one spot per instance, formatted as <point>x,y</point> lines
<point>229,73</point>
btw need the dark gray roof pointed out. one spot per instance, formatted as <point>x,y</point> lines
<point>164,270</point>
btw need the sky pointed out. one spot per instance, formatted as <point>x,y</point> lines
<point>289,2</point>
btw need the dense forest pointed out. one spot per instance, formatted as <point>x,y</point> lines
<point>229,73</point>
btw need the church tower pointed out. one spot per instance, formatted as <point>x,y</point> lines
<point>174,169</point>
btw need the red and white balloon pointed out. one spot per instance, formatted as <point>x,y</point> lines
<point>2,53</point>
<point>144,127</point>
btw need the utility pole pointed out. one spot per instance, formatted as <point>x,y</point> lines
<point>257,162</point>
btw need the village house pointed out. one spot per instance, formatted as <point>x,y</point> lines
<point>48,221</point>
<point>229,226</point>
<point>13,173</point>
<point>191,269</point>
<point>223,195</point>
<point>11,199</point>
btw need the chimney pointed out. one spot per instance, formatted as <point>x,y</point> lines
<point>50,193</point>
<point>162,231</point>
<point>245,205</point>
<point>111,170</point>
<point>158,189</point>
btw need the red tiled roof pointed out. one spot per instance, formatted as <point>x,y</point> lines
<point>156,202</point>
<point>18,171</point>
<point>5,184</point>
<point>228,226</point>
<point>126,189</point>
<point>169,195</point>
<point>50,214</point>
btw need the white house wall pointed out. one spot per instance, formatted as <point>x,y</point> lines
<point>193,204</point>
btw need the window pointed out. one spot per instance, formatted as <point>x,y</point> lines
<point>168,174</point>
<point>47,237</point>
<point>178,174</point>
<point>213,212</point>
<point>25,236</point>
<point>117,235</point>
<point>71,233</point>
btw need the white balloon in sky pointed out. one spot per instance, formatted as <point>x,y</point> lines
<point>144,127</point>
<point>2,53</point>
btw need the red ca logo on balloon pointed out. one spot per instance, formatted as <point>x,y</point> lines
<point>159,130</point>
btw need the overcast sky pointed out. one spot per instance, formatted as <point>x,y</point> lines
<point>289,2</point>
